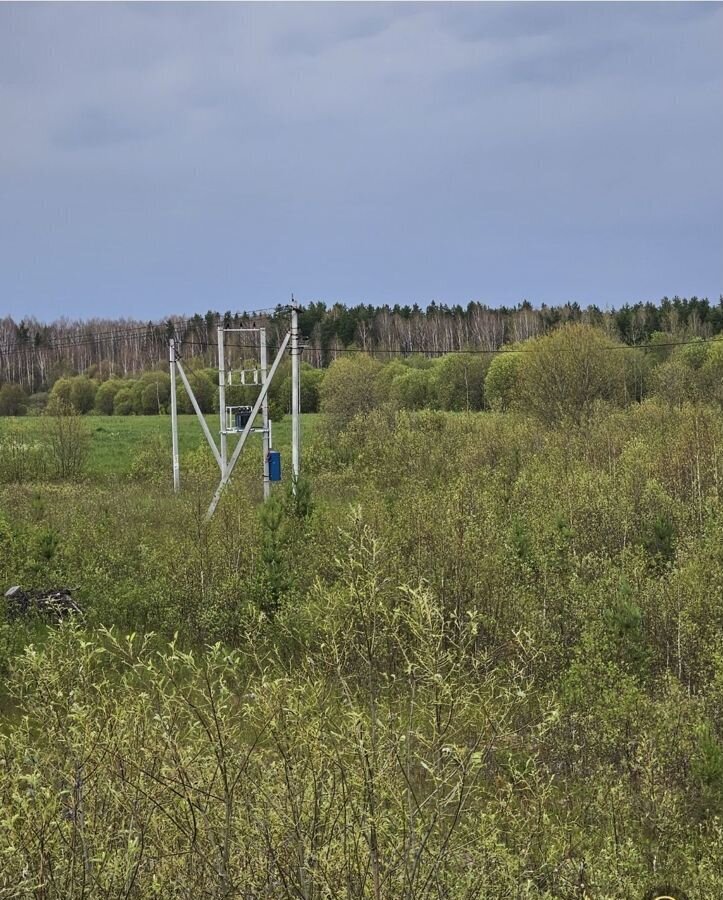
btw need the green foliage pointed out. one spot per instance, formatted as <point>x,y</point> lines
<point>458,381</point>
<point>13,400</point>
<point>564,374</point>
<point>37,403</point>
<point>692,373</point>
<point>501,380</point>
<point>349,389</point>
<point>124,401</point>
<point>78,391</point>
<point>152,391</point>
<point>299,501</point>
<point>105,396</point>
<point>674,382</point>
<point>485,661</point>
<point>659,539</point>
<point>694,354</point>
<point>203,389</point>
<point>280,391</point>
<point>711,373</point>
<point>61,389</point>
<point>22,458</point>
<point>150,461</point>
<point>311,381</point>
<point>273,531</point>
<point>68,438</point>
<point>707,769</point>
<point>82,393</point>
<point>411,389</point>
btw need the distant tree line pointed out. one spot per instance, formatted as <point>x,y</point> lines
<point>35,355</point>
<point>564,374</point>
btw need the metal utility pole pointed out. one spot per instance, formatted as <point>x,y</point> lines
<point>200,416</point>
<point>266,433</point>
<point>247,429</point>
<point>222,397</point>
<point>295,394</point>
<point>174,418</point>
<point>245,416</point>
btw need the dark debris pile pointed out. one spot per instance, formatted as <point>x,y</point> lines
<point>53,605</point>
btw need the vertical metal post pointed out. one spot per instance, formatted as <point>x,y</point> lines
<point>295,395</point>
<point>247,430</point>
<point>266,433</point>
<point>222,396</point>
<point>174,418</point>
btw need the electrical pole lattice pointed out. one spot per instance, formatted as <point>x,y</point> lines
<point>240,419</point>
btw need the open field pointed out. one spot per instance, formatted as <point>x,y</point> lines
<point>117,440</point>
<point>480,652</point>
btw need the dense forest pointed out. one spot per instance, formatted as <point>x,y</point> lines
<point>445,368</point>
<point>34,355</point>
<point>478,653</point>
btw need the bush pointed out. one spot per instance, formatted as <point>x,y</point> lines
<point>151,394</point>
<point>78,390</point>
<point>311,382</point>
<point>674,382</point>
<point>68,439</point>
<point>349,388</point>
<point>105,396</point>
<point>694,355</point>
<point>13,400</point>
<point>61,389</point>
<point>151,460</point>
<point>501,381</point>
<point>203,389</point>
<point>82,393</point>
<point>458,381</point>
<point>37,403</point>
<point>411,389</point>
<point>564,375</point>
<point>123,402</point>
<point>711,373</point>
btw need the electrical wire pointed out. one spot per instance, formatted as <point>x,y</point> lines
<point>158,334</point>
<point>154,332</point>
<point>413,351</point>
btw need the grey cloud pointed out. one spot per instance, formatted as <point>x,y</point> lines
<point>568,65</point>
<point>359,149</point>
<point>95,127</point>
<point>370,21</point>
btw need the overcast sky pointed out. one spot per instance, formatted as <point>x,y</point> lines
<point>171,158</point>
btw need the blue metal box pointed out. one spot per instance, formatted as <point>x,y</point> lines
<point>274,465</point>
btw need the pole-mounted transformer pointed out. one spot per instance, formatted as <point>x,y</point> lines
<point>241,419</point>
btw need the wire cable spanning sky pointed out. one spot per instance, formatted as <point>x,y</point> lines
<point>167,158</point>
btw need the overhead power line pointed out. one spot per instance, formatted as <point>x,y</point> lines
<point>157,333</point>
<point>153,331</point>
<point>418,351</point>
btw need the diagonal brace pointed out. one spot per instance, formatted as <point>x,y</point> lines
<point>225,476</point>
<point>209,438</point>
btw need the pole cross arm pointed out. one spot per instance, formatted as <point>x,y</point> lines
<point>225,476</point>
<point>209,438</point>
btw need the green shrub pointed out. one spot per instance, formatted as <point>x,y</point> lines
<point>458,381</point>
<point>105,396</point>
<point>13,400</point>
<point>502,380</point>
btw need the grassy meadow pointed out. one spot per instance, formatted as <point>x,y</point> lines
<point>117,440</point>
<point>478,655</point>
